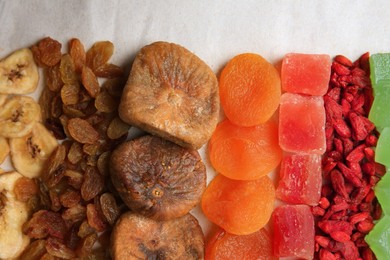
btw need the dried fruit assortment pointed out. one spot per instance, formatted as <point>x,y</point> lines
<point>78,183</point>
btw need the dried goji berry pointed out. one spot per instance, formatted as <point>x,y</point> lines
<point>342,128</point>
<point>324,203</point>
<point>365,226</point>
<point>338,183</point>
<point>340,236</point>
<point>343,60</point>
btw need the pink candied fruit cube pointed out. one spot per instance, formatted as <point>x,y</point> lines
<point>306,73</point>
<point>293,231</point>
<point>302,124</point>
<point>300,179</point>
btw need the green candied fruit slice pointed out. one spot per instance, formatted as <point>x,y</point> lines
<point>380,87</point>
<point>382,150</point>
<point>379,238</point>
<point>379,67</point>
<point>382,192</point>
<point>379,112</point>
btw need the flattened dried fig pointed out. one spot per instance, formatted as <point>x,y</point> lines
<point>171,93</point>
<point>179,238</point>
<point>158,178</point>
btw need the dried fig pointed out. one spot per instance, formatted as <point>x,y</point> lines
<point>158,178</point>
<point>171,93</point>
<point>179,238</point>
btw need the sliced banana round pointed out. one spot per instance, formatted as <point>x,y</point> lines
<point>4,150</point>
<point>29,153</point>
<point>13,214</point>
<point>18,115</point>
<point>18,73</point>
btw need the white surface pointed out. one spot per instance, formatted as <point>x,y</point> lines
<point>214,30</point>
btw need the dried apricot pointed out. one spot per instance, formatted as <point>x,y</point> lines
<point>239,207</point>
<point>225,246</point>
<point>245,153</point>
<point>249,89</point>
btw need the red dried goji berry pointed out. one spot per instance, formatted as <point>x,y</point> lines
<point>334,94</point>
<point>368,168</point>
<point>329,226</point>
<point>349,251</point>
<point>367,254</point>
<point>324,203</point>
<point>340,69</point>
<point>338,183</point>
<point>364,62</point>
<point>380,169</point>
<point>322,240</point>
<point>356,218</point>
<point>348,145</point>
<point>338,145</point>
<point>340,236</point>
<point>370,154</point>
<point>341,127</point>
<point>371,140</point>
<point>349,175</point>
<point>343,60</point>
<point>360,193</point>
<point>317,211</point>
<point>326,255</point>
<point>357,154</point>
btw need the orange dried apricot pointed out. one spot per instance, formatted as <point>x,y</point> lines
<point>245,153</point>
<point>239,207</point>
<point>249,89</point>
<point>226,246</point>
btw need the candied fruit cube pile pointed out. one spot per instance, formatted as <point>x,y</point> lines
<point>305,79</point>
